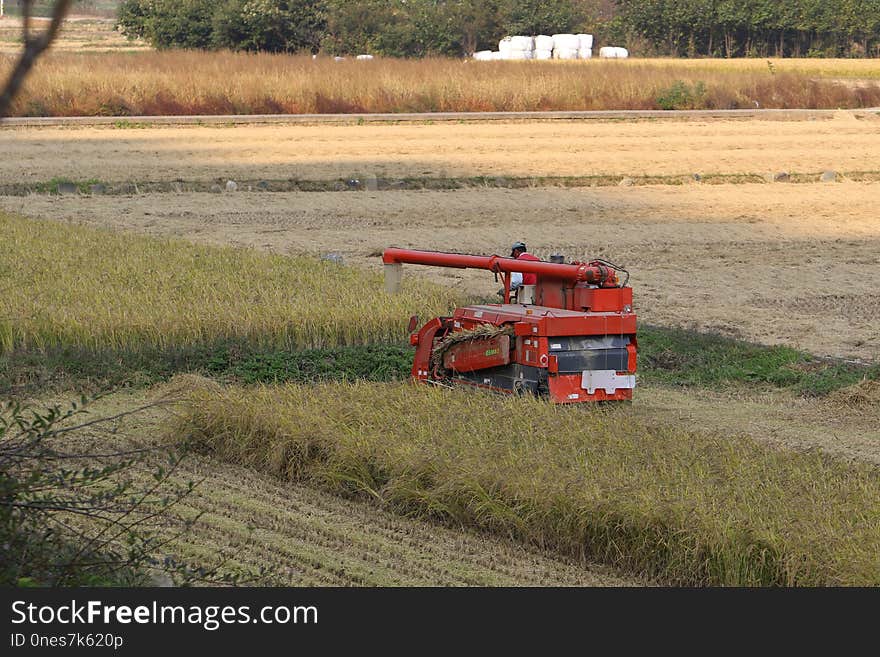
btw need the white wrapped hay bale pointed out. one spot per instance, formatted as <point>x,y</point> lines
<point>364,58</point>
<point>565,53</point>
<point>566,42</point>
<point>543,42</point>
<point>543,54</point>
<point>516,44</point>
<point>585,41</point>
<point>497,56</point>
<point>585,53</point>
<point>484,56</point>
<point>526,43</point>
<point>611,52</point>
<point>518,55</point>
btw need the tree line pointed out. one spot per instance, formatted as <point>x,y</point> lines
<point>753,28</point>
<point>418,28</point>
<point>393,28</point>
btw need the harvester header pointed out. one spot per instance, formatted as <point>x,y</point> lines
<point>571,336</point>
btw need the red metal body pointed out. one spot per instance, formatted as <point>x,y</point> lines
<point>576,343</point>
<point>478,355</point>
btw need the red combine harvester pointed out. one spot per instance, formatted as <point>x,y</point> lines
<point>571,337</point>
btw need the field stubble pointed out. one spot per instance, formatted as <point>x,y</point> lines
<point>659,148</point>
<point>306,537</point>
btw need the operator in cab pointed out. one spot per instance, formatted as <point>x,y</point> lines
<point>517,279</point>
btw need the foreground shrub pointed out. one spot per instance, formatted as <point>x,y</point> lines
<point>682,96</point>
<point>70,516</point>
<point>594,483</point>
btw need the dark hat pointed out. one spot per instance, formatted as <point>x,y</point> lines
<point>521,246</point>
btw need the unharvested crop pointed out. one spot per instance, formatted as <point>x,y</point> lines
<point>683,507</point>
<point>72,287</point>
<point>159,83</point>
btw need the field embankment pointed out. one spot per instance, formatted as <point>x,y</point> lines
<point>683,507</point>
<point>182,83</point>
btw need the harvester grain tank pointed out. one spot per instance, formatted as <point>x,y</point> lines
<point>570,337</point>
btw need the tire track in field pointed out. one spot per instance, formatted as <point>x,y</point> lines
<point>387,553</point>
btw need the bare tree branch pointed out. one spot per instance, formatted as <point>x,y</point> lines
<point>34,46</point>
<point>26,18</point>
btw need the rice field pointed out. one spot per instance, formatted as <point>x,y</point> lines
<point>686,508</point>
<point>182,83</point>
<point>72,287</point>
<point>513,490</point>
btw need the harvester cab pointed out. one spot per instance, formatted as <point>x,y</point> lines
<point>570,337</point>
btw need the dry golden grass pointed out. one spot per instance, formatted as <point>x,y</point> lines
<point>680,506</point>
<point>860,399</point>
<point>158,83</point>
<point>66,286</point>
<point>815,67</point>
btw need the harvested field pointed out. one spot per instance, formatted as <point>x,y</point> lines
<point>80,33</point>
<point>687,508</point>
<point>776,264</point>
<point>162,83</point>
<point>312,538</point>
<point>845,424</point>
<point>655,148</point>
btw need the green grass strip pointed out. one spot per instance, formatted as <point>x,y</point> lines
<point>667,356</point>
<point>681,357</point>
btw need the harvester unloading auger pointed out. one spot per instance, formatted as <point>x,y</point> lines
<point>571,337</point>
